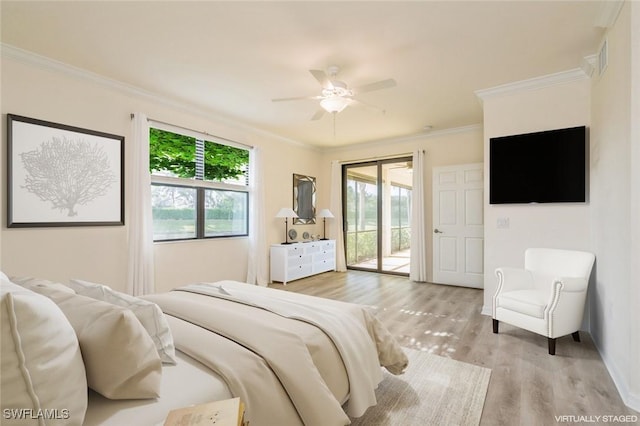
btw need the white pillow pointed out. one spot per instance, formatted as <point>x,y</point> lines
<point>42,367</point>
<point>148,313</point>
<point>119,356</point>
<point>30,283</point>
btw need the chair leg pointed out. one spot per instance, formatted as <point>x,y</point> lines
<point>495,326</point>
<point>576,336</point>
<point>552,346</point>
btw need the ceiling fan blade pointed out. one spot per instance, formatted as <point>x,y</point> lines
<point>378,85</point>
<point>322,78</point>
<point>318,115</point>
<point>297,98</point>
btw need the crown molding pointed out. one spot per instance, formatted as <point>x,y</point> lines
<point>588,64</point>
<point>34,59</point>
<point>40,61</point>
<point>608,14</point>
<point>535,83</point>
<point>402,139</point>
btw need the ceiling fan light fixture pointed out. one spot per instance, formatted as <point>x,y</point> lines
<point>334,104</point>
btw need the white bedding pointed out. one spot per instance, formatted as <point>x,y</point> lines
<point>186,383</point>
<point>262,342</point>
<point>292,359</point>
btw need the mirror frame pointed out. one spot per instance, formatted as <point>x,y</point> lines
<point>304,199</point>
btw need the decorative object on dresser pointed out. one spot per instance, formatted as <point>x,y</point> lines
<point>324,214</point>
<point>295,261</point>
<point>286,213</point>
<point>304,199</point>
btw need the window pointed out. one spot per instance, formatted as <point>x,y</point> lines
<point>199,188</point>
<point>400,218</point>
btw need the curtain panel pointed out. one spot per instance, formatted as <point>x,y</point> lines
<point>335,225</point>
<point>257,270</point>
<point>418,268</point>
<point>140,269</point>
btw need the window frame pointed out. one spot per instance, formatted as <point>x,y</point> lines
<point>201,185</point>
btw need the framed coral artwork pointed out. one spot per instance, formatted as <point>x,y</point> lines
<point>59,175</point>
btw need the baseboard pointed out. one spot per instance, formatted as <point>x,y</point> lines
<point>486,310</point>
<point>630,399</point>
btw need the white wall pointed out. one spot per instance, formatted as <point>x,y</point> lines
<point>615,161</point>
<point>442,148</point>
<point>608,225</point>
<point>35,87</point>
<point>633,372</point>
<point>532,225</point>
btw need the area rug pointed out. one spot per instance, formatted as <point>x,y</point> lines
<point>433,391</point>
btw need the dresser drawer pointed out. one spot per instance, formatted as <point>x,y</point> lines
<point>324,266</point>
<point>311,248</point>
<point>328,245</point>
<point>294,250</point>
<point>300,271</point>
<point>298,260</point>
<point>325,255</point>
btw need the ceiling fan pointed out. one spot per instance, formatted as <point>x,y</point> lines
<point>336,95</point>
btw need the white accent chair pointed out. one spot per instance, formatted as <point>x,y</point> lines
<point>547,296</point>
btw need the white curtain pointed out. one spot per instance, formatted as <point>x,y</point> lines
<point>140,230</point>
<point>257,271</point>
<point>335,224</point>
<point>418,268</point>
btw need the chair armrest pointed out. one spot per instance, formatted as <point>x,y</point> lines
<point>571,284</point>
<point>513,279</point>
<point>565,307</point>
<point>510,279</point>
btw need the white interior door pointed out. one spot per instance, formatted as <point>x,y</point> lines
<point>458,225</point>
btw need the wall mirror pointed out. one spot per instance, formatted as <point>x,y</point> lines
<point>304,199</point>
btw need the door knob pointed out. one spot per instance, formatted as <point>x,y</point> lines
<point>437,231</point>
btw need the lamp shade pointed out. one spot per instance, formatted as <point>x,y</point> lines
<point>286,212</point>
<point>324,213</point>
<point>334,103</point>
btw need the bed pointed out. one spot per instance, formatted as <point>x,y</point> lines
<point>203,386</point>
<point>292,359</point>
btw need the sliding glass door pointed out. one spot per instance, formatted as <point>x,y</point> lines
<point>377,205</point>
<point>361,216</point>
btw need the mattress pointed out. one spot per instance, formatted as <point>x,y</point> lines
<point>186,383</point>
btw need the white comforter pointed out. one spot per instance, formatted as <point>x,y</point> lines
<point>268,365</point>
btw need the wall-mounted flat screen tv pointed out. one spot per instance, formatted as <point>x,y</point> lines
<point>541,167</point>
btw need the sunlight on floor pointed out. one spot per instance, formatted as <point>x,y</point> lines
<point>396,262</point>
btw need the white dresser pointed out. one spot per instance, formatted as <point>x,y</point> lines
<point>298,260</point>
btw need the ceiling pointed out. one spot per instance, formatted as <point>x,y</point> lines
<point>232,58</point>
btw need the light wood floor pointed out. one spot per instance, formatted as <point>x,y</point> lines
<point>527,387</point>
